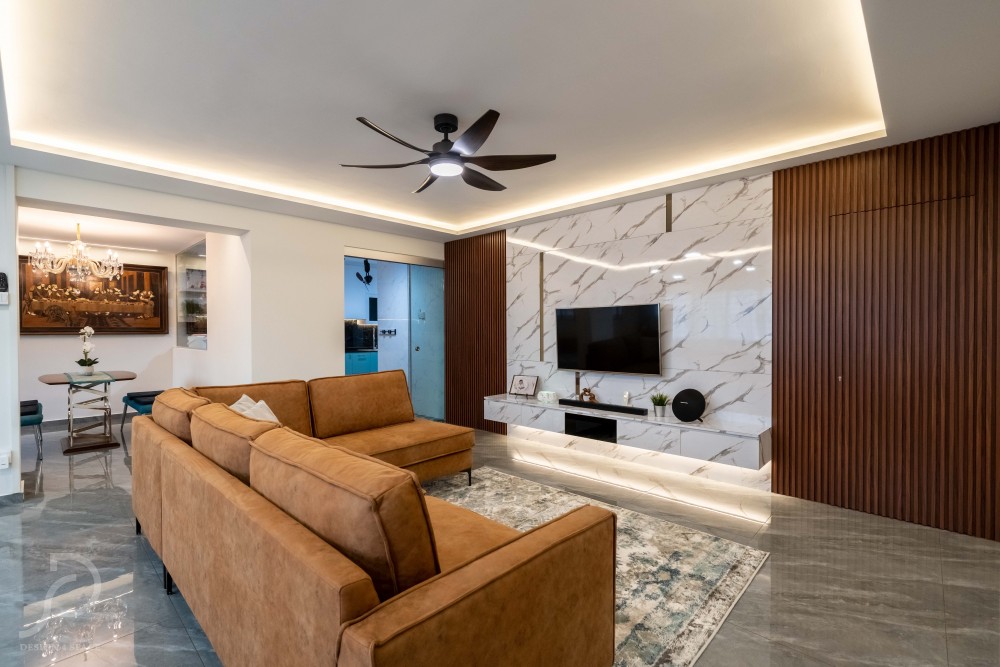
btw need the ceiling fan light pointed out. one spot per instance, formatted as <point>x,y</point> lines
<point>446,166</point>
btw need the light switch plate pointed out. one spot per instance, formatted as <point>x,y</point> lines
<point>4,298</point>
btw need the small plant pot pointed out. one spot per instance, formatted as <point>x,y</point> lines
<point>86,370</point>
<point>660,410</point>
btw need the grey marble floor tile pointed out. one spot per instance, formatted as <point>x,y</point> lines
<point>840,587</point>
<point>972,610</point>
<point>735,647</point>
<point>736,529</point>
<point>151,646</point>
<point>974,648</point>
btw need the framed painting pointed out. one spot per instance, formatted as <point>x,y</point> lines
<point>135,303</point>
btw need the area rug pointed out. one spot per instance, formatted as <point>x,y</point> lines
<point>675,586</point>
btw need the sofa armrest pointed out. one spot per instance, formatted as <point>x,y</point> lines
<point>545,598</point>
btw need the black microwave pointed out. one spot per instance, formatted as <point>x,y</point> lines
<point>359,336</point>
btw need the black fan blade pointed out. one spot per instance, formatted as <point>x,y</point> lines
<point>368,280</point>
<point>360,277</point>
<point>477,133</point>
<point>427,181</point>
<point>505,162</point>
<point>481,181</point>
<point>364,121</point>
<point>368,267</point>
<point>387,166</point>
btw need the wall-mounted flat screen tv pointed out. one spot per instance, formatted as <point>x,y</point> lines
<point>612,339</point>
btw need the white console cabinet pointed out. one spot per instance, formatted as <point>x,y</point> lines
<point>729,441</point>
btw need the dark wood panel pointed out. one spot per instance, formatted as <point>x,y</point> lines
<point>886,349</point>
<point>475,327</point>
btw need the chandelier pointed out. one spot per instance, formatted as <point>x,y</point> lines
<point>77,264</point>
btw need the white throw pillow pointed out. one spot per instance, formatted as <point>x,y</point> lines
<point>245,403</point>
<point>255,410</point>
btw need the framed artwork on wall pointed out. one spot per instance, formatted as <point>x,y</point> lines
<point>135,303</point>
<point>523,385</point>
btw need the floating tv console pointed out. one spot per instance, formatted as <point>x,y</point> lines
<point>610,407</point>
<point>734,441</point>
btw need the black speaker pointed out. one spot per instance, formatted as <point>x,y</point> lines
<point>689,405</point>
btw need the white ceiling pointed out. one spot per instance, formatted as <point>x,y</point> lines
<point>236,99</point>
<point>36,225</point>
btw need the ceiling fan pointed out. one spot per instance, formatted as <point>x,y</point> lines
<point>452,158</point>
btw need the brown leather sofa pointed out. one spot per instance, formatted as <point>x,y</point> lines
<point>292,550</point>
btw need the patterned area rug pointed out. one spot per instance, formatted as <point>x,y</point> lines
<point>675,585</point>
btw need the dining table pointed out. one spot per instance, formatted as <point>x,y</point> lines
<point>86,394</point>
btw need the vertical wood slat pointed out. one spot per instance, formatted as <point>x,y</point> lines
<point>475,296</point>
<point>887,275</point>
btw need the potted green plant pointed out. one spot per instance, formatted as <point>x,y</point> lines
<point>660,402</point>
<point>87,363</point>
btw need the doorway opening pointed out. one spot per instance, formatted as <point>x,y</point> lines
<point>394,319</point>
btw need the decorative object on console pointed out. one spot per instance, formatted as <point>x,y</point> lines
<point>660,402</point>
<point>523,385</point>
<point>450,158</point>
<point>548,397</point>
<point>689,405</point>
<point>87,363</point>
<point>588,395</point>
<point>77,264</point>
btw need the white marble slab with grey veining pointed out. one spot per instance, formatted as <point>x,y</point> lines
<point>731,201</point>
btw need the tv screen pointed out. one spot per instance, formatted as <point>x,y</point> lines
<point>613,339</point>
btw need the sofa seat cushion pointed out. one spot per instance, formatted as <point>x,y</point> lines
<point>223,435</point>
<point>461,535</point>
<point>409,443</point>
<point>288,399</point>
<point>350,403</point>
<point>370,511</point>
<point>172,410</point>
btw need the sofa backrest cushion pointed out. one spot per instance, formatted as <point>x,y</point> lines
<point>288,399</point>
<point>372,512</point>
<point>172,410</point>
<point>352,403</point>
<point>223,435</point>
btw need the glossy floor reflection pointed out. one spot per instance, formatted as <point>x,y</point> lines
<point>76,584</point>
<point>840,587</point>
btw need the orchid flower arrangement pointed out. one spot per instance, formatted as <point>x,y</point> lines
<point>88,348</point>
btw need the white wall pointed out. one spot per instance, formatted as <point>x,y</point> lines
<point>10,422</point>
<point>149,356</point>
<point>296,266</point>
<point>230,323</point>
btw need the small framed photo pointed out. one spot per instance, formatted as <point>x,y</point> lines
<point>523,385</point>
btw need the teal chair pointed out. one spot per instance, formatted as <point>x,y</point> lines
<point>141,402</point>
<point>31,415</point>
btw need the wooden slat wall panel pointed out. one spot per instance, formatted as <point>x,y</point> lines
<point>886,338</point>
<point>475,313</point>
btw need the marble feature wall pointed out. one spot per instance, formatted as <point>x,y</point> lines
<point>711,276</point>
